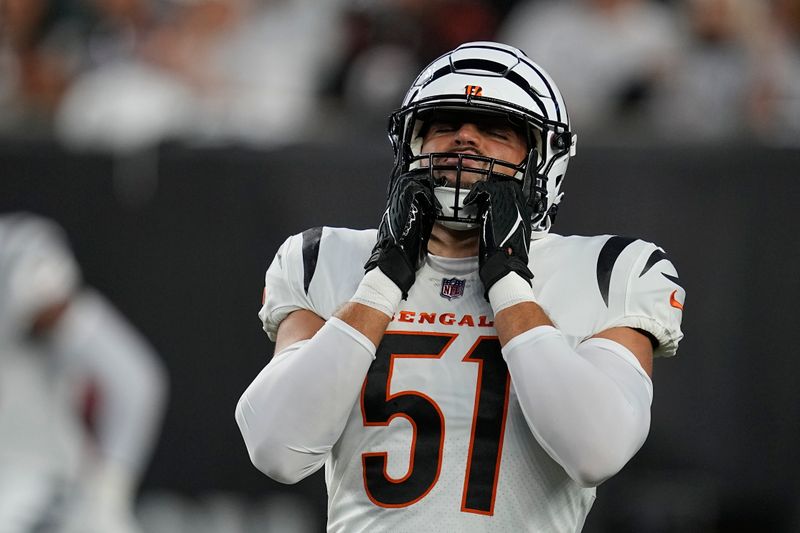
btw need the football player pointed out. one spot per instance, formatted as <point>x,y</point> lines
<point>69,461</point>
<point>484,374</point>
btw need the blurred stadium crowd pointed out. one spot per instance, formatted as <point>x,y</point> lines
<point>126,74</point>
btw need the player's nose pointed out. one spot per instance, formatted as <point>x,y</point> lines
<point>467,134</point>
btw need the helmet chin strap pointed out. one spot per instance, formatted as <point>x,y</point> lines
<point>458,226</point>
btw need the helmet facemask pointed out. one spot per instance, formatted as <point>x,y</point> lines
<point>452,173</point>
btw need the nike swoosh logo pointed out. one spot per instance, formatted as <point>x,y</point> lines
<point>513,229</point>
<point>673,302</point>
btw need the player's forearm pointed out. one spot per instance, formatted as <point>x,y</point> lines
<point>589,408</point>
<point>518,319</point>
<point>368,321</point>
<point>515,308</point>
<point>296,408</point>
<point>136,389</point>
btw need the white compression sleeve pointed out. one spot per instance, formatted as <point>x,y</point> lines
<point>297,407</point>
<point>589,408</point>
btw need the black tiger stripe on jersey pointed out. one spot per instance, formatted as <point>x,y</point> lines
<point>657,255</point>
<point>606,260</point>
<point>311,240</point>
<point>654,258</point>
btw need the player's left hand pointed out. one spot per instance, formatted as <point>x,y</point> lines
<point>506,230</point>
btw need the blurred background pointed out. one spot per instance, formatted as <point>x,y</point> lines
<point>179,142</point>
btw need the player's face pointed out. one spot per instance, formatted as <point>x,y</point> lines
<point>483,135</point>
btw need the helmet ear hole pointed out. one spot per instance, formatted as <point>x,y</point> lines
<point>560,141</point>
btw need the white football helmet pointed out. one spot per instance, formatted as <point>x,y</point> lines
<point>488,78</point>
<point>37,269</point>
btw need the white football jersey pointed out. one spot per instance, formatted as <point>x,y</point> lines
<point>37,423</point>
<point>37,417</point>
<point>437,440</point>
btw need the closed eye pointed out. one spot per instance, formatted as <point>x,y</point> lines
<point>442,127</point>
<point>500,133</point>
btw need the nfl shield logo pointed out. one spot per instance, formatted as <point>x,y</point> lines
<point>453,288</point>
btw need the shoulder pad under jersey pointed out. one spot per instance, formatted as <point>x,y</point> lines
<point>641,289</point>
<point>317,270</point>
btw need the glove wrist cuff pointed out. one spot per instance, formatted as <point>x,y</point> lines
<point>510,290</point>
<point>378,291</point>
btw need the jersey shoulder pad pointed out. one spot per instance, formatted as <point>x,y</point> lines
<point>641,289</point>
<point>318,270</point>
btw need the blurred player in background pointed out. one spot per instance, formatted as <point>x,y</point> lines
<point>484,374</point>
<point>62,470</point>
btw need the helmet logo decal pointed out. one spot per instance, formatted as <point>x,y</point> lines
<point>473,90</point>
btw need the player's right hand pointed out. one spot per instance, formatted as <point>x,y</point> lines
<point>405,229</point>
<point>506,230</point>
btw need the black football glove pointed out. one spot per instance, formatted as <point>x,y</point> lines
<point>405,229</point>
<point>506,230</point>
